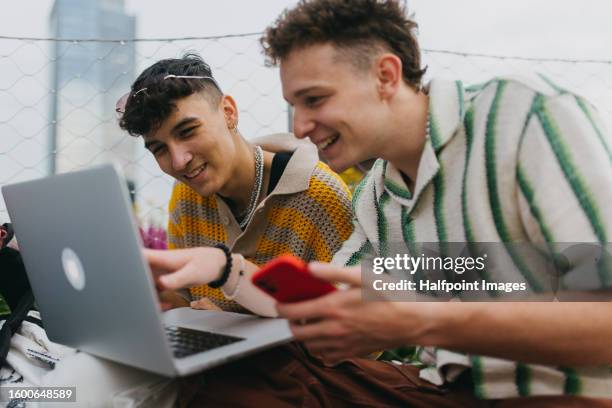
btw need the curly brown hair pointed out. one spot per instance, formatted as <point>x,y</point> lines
<point>359,29</point>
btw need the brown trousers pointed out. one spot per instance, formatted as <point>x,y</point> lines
<point>287,376</point>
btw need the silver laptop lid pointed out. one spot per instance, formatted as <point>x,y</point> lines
<point>82,253</point>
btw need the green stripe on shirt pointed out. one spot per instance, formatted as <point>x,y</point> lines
<point>357,257</point>
<point>478,377</point>
<point>492,184</point>
<point>439,210</point>
<point>383,241</point>
<point>583,106</point>
<point>397,190</point>
<point>468,122</point>
<point>434,131</point>
<point>550,83</point>
<point>393,187</point>
<point>523,379</point>
<point>490,161</point>
<point>408,231</point>
<point>469,135</point>
<point>438,182</point>
<point>572,384</point>
<point>528,192</point>
<point>358,191</point>
<point>572,175</point>
<point>459,85</point>
<point>575,180</point>
<point>408,234</point>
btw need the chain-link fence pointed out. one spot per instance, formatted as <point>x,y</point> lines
<point>57,100</point>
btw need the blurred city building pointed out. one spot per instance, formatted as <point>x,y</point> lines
<point>87,77</point>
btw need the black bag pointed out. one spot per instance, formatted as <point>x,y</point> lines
<point>15,288</point>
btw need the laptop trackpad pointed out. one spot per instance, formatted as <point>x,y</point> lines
<point>236,324</point>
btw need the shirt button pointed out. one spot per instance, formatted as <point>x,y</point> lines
<point>224,220</point>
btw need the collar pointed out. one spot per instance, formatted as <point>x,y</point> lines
<point>296,176</point>
<point>446,111</point>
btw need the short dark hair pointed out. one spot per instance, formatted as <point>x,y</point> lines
<point>152,99</point>
<point>359,29</point>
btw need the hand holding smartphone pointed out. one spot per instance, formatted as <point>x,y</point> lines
<point>288,280</point>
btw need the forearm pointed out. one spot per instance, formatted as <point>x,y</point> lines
<point>242,290</point>
<point>574,334</point>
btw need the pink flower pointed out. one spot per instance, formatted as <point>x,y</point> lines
<point>154,237</point>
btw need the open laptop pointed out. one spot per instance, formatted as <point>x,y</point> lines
<point>95,292</point>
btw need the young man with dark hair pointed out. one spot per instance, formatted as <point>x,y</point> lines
<point>235,204</point>
<point>506,161</point>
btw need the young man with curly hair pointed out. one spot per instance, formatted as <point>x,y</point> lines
<point>507,161</point>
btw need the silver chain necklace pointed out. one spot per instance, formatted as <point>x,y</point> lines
<point>259,170</point>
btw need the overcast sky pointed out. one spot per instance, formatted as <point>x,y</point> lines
<point>553,28</point>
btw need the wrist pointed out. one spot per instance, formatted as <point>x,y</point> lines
<point>220,261</point>
<point>232,287</point>
<point>237,264</point>
<point>456,323</point>
<point>430,323</point>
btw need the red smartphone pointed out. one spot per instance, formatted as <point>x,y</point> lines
<point>287,280</point>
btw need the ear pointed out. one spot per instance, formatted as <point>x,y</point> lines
<point>230,110</point>
<point>388,70</point>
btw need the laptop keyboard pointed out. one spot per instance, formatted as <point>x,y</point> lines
<point>185,342</point>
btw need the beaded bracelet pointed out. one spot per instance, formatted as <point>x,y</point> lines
<point>216,284</point>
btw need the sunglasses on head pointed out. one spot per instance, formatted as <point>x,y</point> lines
<point>121,102</point>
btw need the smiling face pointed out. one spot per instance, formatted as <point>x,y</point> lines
<point>195,145</point>
<point>336,104</point>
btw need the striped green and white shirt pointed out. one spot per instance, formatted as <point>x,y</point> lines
<point>510,160</point>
